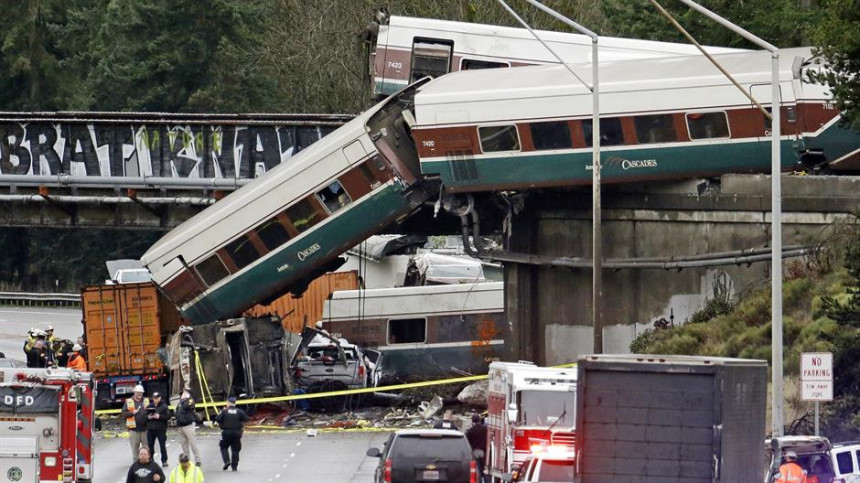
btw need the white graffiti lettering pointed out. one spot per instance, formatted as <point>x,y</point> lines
<point>308,251</point>
<point>283,267</point>
<point>638,163</point>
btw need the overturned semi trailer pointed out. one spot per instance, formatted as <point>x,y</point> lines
<point>243,357</point>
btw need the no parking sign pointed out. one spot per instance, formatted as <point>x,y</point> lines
<point>816,376</point>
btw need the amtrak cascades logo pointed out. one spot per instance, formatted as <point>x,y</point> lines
<point>638,163</point>
<point>303,254</point>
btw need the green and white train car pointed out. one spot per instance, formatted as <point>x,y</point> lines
<point>663,118</point>
<point>279,232</point>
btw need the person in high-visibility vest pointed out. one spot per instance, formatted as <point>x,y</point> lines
<point>76,360</point>
<point>790,471</point>
<point>134,412</point>
<point>186,472</point>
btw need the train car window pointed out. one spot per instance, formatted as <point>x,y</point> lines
<point>707,125</point>
<point>551,135</point>
<point>474,64</point>
<point>273,234</point>
<point>430,57</point>
<point>610,132</point>
<point>499,138</point>
<point>404,331</point>
<point>304,215</point>
<point>659,128</point>
<point>211,270</point>
<point>242,251</point>
<point>333,197</point>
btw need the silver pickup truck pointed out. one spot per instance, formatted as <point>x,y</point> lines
<point>325,363</point>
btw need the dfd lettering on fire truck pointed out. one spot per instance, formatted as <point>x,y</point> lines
<point>47,417</point>
<point>530,408</point>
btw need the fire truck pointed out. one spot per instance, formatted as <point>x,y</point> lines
<point>530,409</point>
<point>47,418</point>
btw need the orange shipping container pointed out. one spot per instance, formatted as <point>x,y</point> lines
<point>308,309</point>
<point>125,324</point>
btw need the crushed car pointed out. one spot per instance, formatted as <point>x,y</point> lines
<point>325,363</point>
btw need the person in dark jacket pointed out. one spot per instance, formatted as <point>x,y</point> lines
<point>144,470</point>
<point>156,425</point>
<point>232,421</point>
<point>446,422</point>
<point>477,437</point>
<point>186,421</point>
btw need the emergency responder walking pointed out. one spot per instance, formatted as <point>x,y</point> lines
<point>231,420</point>
<point>134,412</point>
<point>156,426</point>
<point>76,360</point>
<point>477,437</point>
<point>790,471</point>
<point>186,472</point>
<point>446,422</point>
<point>144,470</point>
<point>186,421</point>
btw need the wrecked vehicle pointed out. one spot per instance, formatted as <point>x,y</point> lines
<point>323,363</point>
<point>243,357</point>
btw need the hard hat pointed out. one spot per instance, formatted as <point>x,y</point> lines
<point>39,333</point>
<point>49,328</point>
<point>139,388</point>
<point>77,347</point>
<point>790,455</point>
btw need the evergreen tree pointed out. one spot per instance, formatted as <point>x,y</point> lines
<point>838,38</point>
<point>156,55</point>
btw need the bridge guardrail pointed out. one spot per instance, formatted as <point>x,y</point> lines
<point>36,299</point>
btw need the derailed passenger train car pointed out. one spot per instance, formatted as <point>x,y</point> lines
<point>674,117</point>
<point>281,231</point>
<point>407,49</point>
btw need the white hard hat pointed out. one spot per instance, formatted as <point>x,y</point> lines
<point>49,328</point>
<point>139,388</point>
<point>790,455</point>
<point>39,333</point>
<point>77,347</point>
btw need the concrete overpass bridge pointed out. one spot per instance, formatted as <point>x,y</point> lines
<point>547,269</point>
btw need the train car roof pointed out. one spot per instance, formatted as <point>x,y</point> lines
<point>606,45</point>
<point>470,88</point>
<point>251,191</point>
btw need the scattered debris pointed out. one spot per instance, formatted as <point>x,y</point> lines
<point>429,409</point>
<point>312,433</point>
<point>475,394</point>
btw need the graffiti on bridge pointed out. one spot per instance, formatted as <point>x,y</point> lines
<point>151,149</point>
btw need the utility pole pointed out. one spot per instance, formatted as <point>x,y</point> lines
<point>596,231</point>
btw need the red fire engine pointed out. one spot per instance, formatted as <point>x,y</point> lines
<point>47,417</point>
<point>530,408</point>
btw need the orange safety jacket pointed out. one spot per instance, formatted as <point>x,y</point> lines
<point>791,472</point>
<point>77,362</point>
<point>130,423</point>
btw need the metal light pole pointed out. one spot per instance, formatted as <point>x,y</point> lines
<point>776,216</point>
<point>596,250</point>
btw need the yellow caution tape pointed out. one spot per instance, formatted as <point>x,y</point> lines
<point>346,392</point>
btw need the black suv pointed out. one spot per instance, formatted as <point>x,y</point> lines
<point>425,455</point>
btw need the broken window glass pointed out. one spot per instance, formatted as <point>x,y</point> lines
<point>499,138</point>
<point>402,331</point>
<point>211,270</point>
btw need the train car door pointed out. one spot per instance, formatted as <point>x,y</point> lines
<point>430,58</point>
<point>790,127</point>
